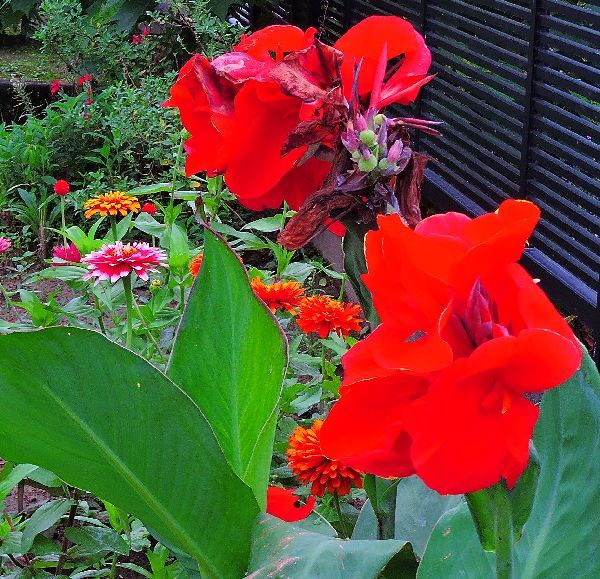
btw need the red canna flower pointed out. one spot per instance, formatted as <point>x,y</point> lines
<point>62,187</point>
<point>482,333</point>
<point>149,208</point>
<point>284,504</point>
<point>280,295</point>
<point>62,253</point>
<point>55,86</point>
<point>311,466</point>
<point>271,107</point>
<point>323,315</point>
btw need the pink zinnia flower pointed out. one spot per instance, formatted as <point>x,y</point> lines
<point>117,260</point>
<point>68,253</point>
<point>54,86</point>
<point>4,244</point>
<point>62,187</point>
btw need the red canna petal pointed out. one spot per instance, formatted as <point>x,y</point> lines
<point>263,121</point>
<point>360,430</point>
<point>385,352</point>
<point>365,41</point>
<point>275,41</point>
<point>281,503</point>
<point>466,437</point>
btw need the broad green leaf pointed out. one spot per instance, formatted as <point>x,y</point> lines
<point>355,265</point>
<point>150,189</point>
<point>97,539</point>
<point>418,509</point>
<point>105,420</point>
<point>42,519</point>
<point>281,549</point>
<point>562,535</point>
<point>230,358</point>
<point>454,550</point>
<point>265,225</point>
<point>146,223</point>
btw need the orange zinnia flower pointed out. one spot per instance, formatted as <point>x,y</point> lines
<point>195,264</point>
<point>311,467</point>
<point>111,203</point>
<point>281,295</point>
<point>323,315</point>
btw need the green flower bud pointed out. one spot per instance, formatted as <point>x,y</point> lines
<point>379,119</point>
<point>367,165</point>
<point>368,137</point>
<point>155,285</point>
<point>383,164</point>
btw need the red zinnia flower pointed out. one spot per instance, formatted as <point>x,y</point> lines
<point>4,244</point>
<point>149,208</point>
<point>323,315</point>
<point>280,295</point>
<point>112,262</point>
<point>311,466</point>
<point>54,86</point>
<point>483,334</point>
<point>63,253</point>
<point>283,504</point>
<point>62,187</point>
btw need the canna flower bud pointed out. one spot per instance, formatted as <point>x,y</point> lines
<point>395,151</point>
<point>367,165</point>
<point>368,137</point>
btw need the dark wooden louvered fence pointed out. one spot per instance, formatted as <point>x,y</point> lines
<point>518,89</point>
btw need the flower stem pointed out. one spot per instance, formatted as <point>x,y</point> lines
<point>504,533</point>
<point>113,227</point>
<point>323,359</point>
<point>338,510</point>
<point>6,296</point>
<point>129,302</point>
<point>174,182</point>
<point>64,223</point>
<point>382,494</point>
<point>152,339</point>
<point>100,320</point>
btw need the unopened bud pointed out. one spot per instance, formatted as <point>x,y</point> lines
<point>395,151</point>
<point>367,165</point>
<point>383,164</point>
<point>368,137</point>
<point>155,285</point>
<point>379,119</point>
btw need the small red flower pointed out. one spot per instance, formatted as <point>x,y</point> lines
<point>55,86</point>
<point>284,504</point>
<point>63,253</point>
<point>149,208</point>
<point>145,31</point>
<point>312,467</point>
<point>280,295</point>
<point>323,315</point>
<point>62,187</point>
<point>137,39</point>
<point>87,77</point>
<point>88,101</point>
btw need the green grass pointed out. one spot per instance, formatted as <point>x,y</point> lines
<point>28,63</point>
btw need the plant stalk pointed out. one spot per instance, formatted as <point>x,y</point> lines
<point>338,510</point>
<point>64,222</point>
<point>113,228</point>
<point>504,533</point>
<point>129,303</point>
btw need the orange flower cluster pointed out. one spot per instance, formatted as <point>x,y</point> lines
<point>323,315</point>
<point>280,295</point>
<point>112,203</point>
<point>308,463</point>
<point>195,264</point>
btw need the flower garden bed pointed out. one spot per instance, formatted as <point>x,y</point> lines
<point>197,392</point>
